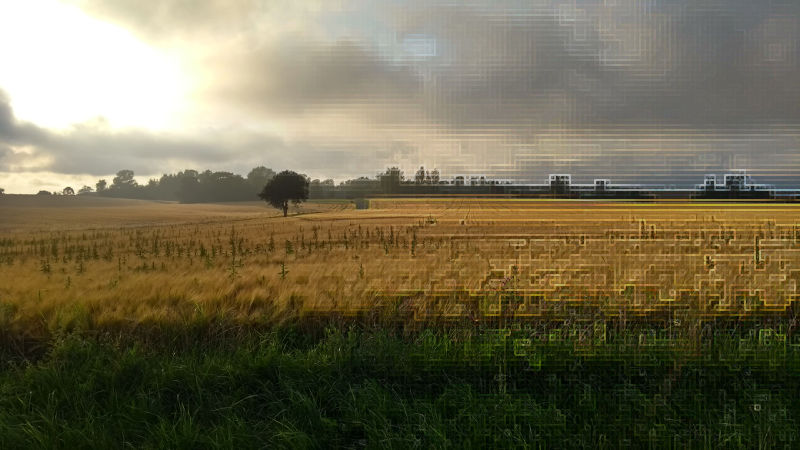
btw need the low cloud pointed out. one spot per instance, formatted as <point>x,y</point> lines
<point>95,149</point>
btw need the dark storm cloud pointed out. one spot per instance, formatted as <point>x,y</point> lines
<point>13,131</point>
<point>502,63</point>
<point>295,78</point>
<point>495,75</point>
<point>701,64</point>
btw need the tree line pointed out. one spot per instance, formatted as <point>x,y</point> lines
<point>187,186</point>
<point>191,186</point>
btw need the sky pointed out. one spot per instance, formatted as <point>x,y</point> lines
<point>638,91</point>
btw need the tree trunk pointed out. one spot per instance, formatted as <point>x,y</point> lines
<point>285,209</point>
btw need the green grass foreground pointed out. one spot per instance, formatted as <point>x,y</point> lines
<point>354,387</point>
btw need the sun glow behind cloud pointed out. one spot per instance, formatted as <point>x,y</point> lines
<point>61,66</point>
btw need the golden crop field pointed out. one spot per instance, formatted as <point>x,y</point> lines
<point>95,263</point>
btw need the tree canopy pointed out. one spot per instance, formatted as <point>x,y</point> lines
<point>189,186</point>
<point>123,185</point>
<point>259,176</point>
<point>124,178</point>
<point>285,187</point>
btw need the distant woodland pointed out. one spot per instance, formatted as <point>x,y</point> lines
<point>191,186</point>
<point>188,186</point>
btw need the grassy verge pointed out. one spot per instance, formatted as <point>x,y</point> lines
<point>355,387</point>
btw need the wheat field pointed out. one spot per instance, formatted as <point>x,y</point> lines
<point>102,263</point>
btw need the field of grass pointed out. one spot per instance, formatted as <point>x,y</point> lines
<point>414,323</point>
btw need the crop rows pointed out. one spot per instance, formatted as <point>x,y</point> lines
<point>419,260</point>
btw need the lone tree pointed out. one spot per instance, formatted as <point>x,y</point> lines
<point>285,187</point>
